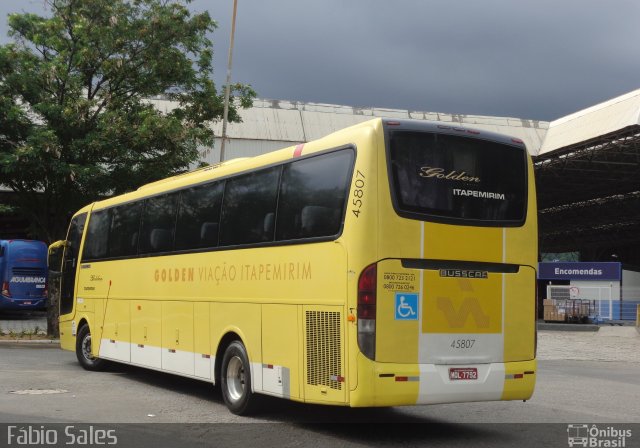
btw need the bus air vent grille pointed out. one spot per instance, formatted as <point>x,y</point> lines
<point>28,271</point>
<point>324,366</point>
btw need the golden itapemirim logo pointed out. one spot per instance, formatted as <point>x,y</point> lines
<point>223,273</point>
<point>440,173</point>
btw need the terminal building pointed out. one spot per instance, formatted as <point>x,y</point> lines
<point>587,164</point>
<point>587,167</point>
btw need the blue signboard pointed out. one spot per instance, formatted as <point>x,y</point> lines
<point>579,271</point>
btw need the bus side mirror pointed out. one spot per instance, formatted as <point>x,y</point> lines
<point>54,258</point>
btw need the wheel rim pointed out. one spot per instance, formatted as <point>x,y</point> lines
<point>86,348</point>
<point>235,378</point>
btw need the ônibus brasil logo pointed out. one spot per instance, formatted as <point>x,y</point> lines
<point>594,436</point>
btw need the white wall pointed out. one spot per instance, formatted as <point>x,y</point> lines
<point>594,290</point>
<point>630,285</point>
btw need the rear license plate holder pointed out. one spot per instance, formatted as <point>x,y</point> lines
<point>463,373</point>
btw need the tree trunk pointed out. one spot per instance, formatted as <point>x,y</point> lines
<point>53,327</point>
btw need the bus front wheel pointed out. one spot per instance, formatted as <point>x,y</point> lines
<point>83,351</point>
<point>236,380</point>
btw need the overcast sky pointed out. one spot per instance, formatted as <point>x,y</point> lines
<point>537,60</point>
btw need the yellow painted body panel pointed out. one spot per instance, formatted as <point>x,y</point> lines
<point>243,319</point>
<point>202,329</point>
<point>146,323</point>
<point>282,343</point>
<point>519,325</point>
<point>396,341</point>
<point>520,388</point>
<point>445,242</point>
<point>288,303</point>
<point>462,305</point>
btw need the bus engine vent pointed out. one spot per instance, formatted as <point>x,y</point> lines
<point>324,366</point>
<point>28,271</point>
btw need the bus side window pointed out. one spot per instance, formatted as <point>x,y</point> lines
<point>318,220</point>
<point>248,199</point>
<point>209,234</point>
<point>198,217</point>
<point>158,224</point>
<point>312,196</point>
<point>125,222</point>
<point>96,245</point>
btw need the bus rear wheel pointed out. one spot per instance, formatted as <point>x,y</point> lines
<point>83,351</point>
<point>236,380</point>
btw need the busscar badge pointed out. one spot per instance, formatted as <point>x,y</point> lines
<point>463,273</point>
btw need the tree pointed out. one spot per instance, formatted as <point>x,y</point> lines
<point>76,123</point>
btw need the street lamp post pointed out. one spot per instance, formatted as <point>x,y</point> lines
<point>228,85</point>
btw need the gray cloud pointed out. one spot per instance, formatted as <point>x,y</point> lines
<point>538,60</point>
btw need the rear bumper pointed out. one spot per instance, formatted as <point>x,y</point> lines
<point>387,384</point>
<point>23,304</point>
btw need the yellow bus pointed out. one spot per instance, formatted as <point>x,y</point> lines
<point>390,263</point>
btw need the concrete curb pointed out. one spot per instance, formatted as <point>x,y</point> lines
<point>544,326</point>
<point>31,342</point>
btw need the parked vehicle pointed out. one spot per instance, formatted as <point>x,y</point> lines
<point>23,274</point>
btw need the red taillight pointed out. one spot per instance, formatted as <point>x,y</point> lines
<point>5,289</point>
<point>367,285</point>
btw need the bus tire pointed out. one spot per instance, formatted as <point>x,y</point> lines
<point>83,351</point>
<point>235,380</point>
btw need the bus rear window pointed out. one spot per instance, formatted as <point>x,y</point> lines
<point>449,178</point>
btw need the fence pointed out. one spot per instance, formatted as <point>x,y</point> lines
<point>602,305</point>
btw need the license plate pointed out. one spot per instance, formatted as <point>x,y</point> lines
<point>463,373</point>
<point>26,302</point>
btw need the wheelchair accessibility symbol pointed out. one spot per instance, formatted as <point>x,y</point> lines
<point>406,306</point>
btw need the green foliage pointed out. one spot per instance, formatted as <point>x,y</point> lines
<point>76,119</point>
<point>6,209</point>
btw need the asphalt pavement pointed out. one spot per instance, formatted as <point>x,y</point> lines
<point>583,379</point>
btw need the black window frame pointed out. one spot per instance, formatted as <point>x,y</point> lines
<point>224,214</point>
<point>446,130</point>
<point>141,232</point>
<point>198,247</point>
<point>223,179</point>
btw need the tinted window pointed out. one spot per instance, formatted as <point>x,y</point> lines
<point>124,231</point>
<point>70,263</point>
<point>313,195</point>
<point>199,217</point>
<point>248,210</point>
<point>96,244</point>
<point>158,224</point>
<point>447,176</point>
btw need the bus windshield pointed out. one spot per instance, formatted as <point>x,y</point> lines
<point>441,177</point>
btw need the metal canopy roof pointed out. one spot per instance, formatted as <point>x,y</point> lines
<point>588,181</point>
